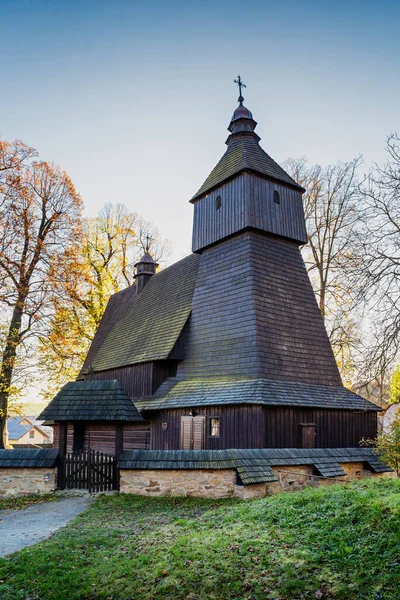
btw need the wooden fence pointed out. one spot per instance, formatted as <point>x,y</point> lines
<point>91,470</point>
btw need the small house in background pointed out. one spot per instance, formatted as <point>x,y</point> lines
<point>28,431</point>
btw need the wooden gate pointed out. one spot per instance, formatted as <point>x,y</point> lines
<point>91,470</point>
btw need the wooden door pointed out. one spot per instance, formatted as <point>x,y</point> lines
<point>308,433</point>
<point>186,433</point>
<point>199,428</point>
<point>193,432</point>
<point>79,437</point>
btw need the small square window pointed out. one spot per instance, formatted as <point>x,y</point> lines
<point>32,433</point>
<point>214,427</point>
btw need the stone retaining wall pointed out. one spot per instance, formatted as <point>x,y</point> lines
<point>20,482</point>
<point>222,483</point>
<point>182,482</point>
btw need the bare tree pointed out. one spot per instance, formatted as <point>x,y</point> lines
<point>379,274</point>
<point>332,218</point>
<point>39,210</point>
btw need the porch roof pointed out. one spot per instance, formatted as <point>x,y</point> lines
<point>91,401</point>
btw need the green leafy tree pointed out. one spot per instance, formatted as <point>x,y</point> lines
<point>388,444</point>
<point>395,386</point>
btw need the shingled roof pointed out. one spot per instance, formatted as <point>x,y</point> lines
<point>91,401</point>
<point>254,465</point>
<point>23,458</point>
<point>145,327</point>
<point>174,393</point>
<point>244,154</point>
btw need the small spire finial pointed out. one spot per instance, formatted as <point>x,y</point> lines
<point>241,85</point>
<point>149,239</point>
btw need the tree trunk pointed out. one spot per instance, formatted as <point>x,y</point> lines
<point>7,366</point>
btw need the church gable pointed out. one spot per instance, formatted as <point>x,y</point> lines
<point>148,325</point>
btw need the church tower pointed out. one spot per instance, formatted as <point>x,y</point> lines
<point>247,190</point>
<point>254,313</point>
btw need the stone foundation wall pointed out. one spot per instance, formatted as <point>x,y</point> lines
<point>20,482</point>
<point>200,483</point>
<point>222,483</point>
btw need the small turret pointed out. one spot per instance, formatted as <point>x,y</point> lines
<point>145,269</point>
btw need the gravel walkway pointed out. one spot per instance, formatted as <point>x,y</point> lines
<point>21,528</point>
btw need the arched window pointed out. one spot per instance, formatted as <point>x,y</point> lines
<point>277,200</point>
<point>218,203</point>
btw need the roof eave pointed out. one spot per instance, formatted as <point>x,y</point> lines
<point>201,193</point>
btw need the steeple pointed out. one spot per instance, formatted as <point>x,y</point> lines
<point>242,120</point>
<point>145,269</point>
<point>247,188</point>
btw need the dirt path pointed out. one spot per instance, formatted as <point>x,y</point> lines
<point>21,528</point>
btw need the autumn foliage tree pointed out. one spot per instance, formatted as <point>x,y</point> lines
<point>39,212</point>
<point>101,265</point>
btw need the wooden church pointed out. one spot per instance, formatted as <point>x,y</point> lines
<point>226,349</point>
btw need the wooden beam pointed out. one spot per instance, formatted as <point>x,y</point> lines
<point>62,445</point>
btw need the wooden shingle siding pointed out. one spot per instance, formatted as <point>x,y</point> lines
<point>254,314</point>
<point>248,202</point>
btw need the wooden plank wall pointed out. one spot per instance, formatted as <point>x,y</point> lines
<point>136,435</point>
<point>252,426</point>
<point>248,201</point>
<point>139,380</point>
<point>254,314</point>
<point>240,427</point>
<point>101,436</point>
<point>334,428</point>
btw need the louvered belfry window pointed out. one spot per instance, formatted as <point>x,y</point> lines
<point>192,432</point>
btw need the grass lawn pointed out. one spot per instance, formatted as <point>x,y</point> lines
<point>19,502</point>
<point>342,542</point>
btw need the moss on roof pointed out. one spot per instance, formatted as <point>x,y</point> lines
<point>91,401</point>
<point>146,326</point>
<point>244,154</point>
<point>174,393</point>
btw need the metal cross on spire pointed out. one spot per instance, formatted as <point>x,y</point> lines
<point>149,239</point>
<point>241,85</point>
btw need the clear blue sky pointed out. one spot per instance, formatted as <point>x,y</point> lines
<point>133,98</point>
